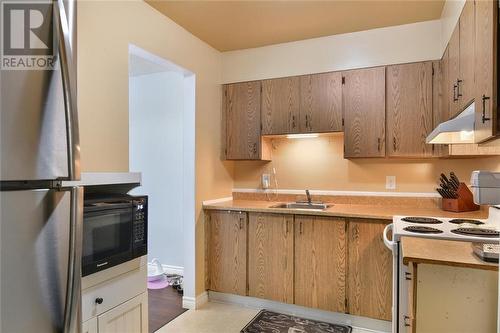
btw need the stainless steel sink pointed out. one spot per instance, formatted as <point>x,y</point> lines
<point>302,205</point>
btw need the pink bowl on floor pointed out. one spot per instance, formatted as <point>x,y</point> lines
<point>158,284</point>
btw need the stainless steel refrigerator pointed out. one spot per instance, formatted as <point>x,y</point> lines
<point>40,219</point>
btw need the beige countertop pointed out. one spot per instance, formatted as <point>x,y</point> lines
<point>385,212</point>
<point>442,252</point>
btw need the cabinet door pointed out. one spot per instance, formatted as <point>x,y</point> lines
<point>369,289</point>
<point>227,258</point>
<point>90,326</point>
<point>466,89</point>
<point>486,70</point>
<point>364,113</point>
<point>280,106</point>
<point>440,101</point>
<point>320,262</point>
<point>270,256</point>
<point>409,109</point>
<point>129,317</point>
<point>242,104</point>
<point>453,70</point>
<point>321,102</point>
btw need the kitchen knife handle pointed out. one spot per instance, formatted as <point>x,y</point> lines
<point>68,73</point>
<point>72,316</point>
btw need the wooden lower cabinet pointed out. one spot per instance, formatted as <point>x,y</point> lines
<point>320,262</point>
<point>129,317</point>
<point>226,252</point>
<point>270,256</point>
<point>369,282</point>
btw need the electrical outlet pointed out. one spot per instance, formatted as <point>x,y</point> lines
<point>266,180</point>
<point>390,182</point>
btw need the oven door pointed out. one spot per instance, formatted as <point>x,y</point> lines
<point>107,239</point>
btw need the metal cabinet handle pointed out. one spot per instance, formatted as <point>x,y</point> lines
<point>73,284</point>
<point>455,98</point>
<point>458,88</point>
<point>307,121</point>
<point>378,144</point>
<point>99,300</point>
<point>241,223</point>
<point>394,143</point>
<point>408,276</point>
<point>407,321</point>
<point>254,149</point>
<point>293,121</point>
<point>69,92</point>
<point>483,117</point>
<point>300,228</point>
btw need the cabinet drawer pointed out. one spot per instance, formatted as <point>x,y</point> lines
<point>113,292</point>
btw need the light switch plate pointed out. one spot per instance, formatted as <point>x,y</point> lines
<point>390,182</point>
<point>266,180</point>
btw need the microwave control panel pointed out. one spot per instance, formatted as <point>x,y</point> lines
<point>140,218</point>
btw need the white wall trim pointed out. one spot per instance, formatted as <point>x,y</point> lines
<point>373,325</point>
<point>170,269</point>
<point>346,193</point>
<point>194,303</point>
<point>214,201</point>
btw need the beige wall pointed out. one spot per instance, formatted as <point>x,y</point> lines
<point>376,47</point>
<point>319,164</point>
<point>105,30</point>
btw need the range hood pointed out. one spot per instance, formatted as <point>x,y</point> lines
<point>457,130</point>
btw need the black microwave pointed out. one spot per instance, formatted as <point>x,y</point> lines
<point>115,229</point>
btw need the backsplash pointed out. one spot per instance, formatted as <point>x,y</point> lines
<point>318,164</point>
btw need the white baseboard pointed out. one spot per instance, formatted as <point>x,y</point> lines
<point>193,303</point>
<point>170,269</point>
<point>379,326</point>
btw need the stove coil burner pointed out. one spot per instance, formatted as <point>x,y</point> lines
<point>422,230</point>
<point>479,232</point>
<point>422,220</point>
<point>460,221</point>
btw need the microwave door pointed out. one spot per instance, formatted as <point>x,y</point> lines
<point>38,124</point>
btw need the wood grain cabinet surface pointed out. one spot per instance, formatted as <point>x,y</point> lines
<point>270,256</point>
<point>364,112</point>
<point>454,71</point>
<point>487,121</point>
<point>280,106</point>
<point>321,102</point>
<point>320,262</point>
<point>227,252</point>
<point>409,109</point>
<point>242,103</point>
<point>466,79</point>
<point>369,283</point>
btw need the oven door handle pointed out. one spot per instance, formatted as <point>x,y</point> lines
<point>390,244</point>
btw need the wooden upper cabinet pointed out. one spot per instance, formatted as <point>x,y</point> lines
<point>409,109</point>
<point>270,256</point>
<point>320,262</point>
<point>280,106</point>
<point>242,112</point>
<point>454,71</point>
<point>369,260</point>
<point>321,102</point>
<point>465,84</point>
<point>486,70</point>
<point>364,112</point>
<point>226,237</point>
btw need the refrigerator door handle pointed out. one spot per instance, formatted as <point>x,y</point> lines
<point>72,308</point>
<point>69,92</point>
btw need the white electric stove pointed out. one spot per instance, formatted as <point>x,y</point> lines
<point>458,229</point>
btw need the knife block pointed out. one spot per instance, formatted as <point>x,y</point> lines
<point>464,202</point>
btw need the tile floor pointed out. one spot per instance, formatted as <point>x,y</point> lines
<point>216,318</point>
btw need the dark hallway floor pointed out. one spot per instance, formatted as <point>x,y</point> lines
<point>164,305</point>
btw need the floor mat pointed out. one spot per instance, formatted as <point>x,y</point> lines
<point>272,322</point>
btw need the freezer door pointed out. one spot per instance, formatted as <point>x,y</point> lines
<point>39,124</point>
<point>36,235</point>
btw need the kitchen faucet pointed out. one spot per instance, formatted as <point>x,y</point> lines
<point>308,195</point>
